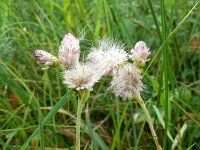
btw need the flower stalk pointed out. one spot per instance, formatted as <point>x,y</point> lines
<point>83,97</point>
<point>153,133</point>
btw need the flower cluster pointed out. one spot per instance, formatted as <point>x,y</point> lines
<point>107,58</point>
<point>83,75</point>
<point>126,81</point>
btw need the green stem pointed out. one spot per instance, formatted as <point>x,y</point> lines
<point>84,95</point>
<point>155,138</point>
<point>78,123</point>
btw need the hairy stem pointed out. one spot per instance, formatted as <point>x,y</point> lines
<point>78,124</point>
<point>84,95</point>
<point>153,133</point>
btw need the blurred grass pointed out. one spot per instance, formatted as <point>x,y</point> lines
<point>25,88</point>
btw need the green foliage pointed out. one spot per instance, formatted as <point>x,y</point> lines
<point>28,93</point>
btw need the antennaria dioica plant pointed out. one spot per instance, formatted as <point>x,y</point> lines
<point>107,58</point>
<point>178,24</point>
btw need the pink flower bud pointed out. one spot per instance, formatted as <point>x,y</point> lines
<point>139,54</point>
<point>69,51</point>
<point>44,57</point>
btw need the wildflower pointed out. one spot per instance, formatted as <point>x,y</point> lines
<point>107,56</point>
<point>127,82</point>
<point>44,57</point>
<point>69,51</point>
<point>82,76</point>
<point>139,54</point>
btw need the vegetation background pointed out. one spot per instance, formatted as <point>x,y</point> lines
<point>27,93</point>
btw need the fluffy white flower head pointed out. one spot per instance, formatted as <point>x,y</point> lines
<point>45,58</point>
<point>127,82</point>
<point>82,76</point>
<point>106,56</point>
<point>69,51</point>
<point>139,54</point>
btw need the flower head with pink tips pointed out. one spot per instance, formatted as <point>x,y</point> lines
<point>69,51</point>
<point>139,54</point>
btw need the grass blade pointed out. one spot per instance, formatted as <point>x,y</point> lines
<point>53,111</point>
<point>155,20</point>
<point>97,140</point>
<point>106,7</point>
<point>162,121</point>
<point>118,126</point>
<point>165,73</point>
<point>170,36</point>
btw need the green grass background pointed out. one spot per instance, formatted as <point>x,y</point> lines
<point>172,79</point>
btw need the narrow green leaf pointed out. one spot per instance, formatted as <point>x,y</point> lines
<point>93,135</point>
<point>159,115</point>
<point>106,7</point>
<point>12,115</point>
<point>170,36</point>
<point>119,126</point>
<point>53,111</point>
